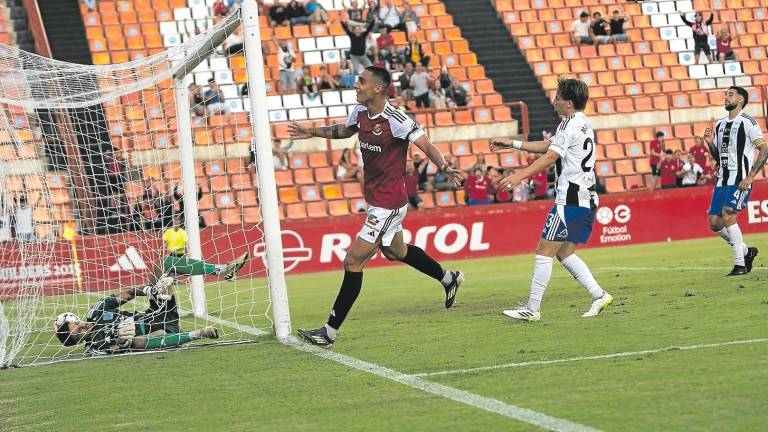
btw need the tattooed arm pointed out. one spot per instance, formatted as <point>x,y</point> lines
<point>335,131</point>
<point>762,157</point>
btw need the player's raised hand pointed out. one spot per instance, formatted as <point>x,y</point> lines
<point>501,144</point>
<point>455,175</point>
<point>297,131</point>
<point>510,181</point>
<point>709,138</point>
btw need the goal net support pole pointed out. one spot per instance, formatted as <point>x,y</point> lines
<point>257,92</point>
<point>189,183</point>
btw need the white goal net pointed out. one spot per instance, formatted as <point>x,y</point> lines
<point>93,197</point>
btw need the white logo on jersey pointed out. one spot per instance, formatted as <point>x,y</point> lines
<point>374,148</point>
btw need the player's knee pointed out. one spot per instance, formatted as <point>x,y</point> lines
<point>392,255</point>
<point>352,264</point>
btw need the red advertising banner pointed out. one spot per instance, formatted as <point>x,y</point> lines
<point>313,245</point>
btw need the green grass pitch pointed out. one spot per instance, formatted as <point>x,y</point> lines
<point>667,294</point>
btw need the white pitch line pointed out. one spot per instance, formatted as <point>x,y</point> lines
<point>467,398</point>
<point>671,268</point>
<point>597,357</point>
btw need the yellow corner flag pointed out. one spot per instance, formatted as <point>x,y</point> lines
<point>70,234</point>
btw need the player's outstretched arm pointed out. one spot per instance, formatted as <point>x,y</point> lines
<point>537,166</point>
<point>454,174</point>
<point>498,144</point>
<point>334,131</point>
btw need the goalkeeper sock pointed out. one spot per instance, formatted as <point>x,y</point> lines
<point>738,247</point>
<point>542,272</point>
<point>169,340</point>
<point>350,289</point>
<point>418,259</point>
<point>188,266</point>
<point>579,270</point>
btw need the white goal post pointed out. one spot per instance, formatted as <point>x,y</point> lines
<point>104,159</point>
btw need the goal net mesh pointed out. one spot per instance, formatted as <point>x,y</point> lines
<point>90,178</point>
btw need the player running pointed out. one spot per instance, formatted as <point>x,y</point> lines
<point>733,145</point>
<point>570,221</point>
<point>108,330</point>
<point>384,134</point>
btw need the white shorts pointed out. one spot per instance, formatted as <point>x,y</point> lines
<point>382,224</point>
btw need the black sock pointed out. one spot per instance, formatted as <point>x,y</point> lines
<point>350,289</point>
<point>418,259</point>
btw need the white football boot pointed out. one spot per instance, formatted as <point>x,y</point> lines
<point>522,313</point>
<point>598,305</point>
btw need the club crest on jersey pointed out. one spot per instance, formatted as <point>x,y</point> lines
<point>377,129</point>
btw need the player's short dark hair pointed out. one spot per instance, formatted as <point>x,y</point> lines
<point>659,134</point>
<point>65,337</point>
<point>381,74</point>
<point>742,92</point>
<point>574,90</point>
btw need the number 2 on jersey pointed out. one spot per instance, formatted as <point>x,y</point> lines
<point>588,145</point>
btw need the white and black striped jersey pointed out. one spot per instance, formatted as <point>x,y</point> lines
<point>735,141</point>
<point>575,143</point>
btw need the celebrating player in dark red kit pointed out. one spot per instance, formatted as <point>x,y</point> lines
<point>384,134</point>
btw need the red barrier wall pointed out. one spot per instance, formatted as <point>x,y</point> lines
<point>453,233</point>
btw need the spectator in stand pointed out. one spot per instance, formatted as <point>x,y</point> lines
<point>409,21</point>
<point>599,31</point>
<point>389,16</point>
<point>196,100</point>
<point>499,195</point>
<point>90,4</point>
<point>437,98</point>
<point>521,192</point>
<point>699,151</point>
<point>701,32</point>
<point>278,15</point>
<point>347,76</point>
<point>709,172</point>
<point>724,39</point>
<point>316,12</point>
<point>445,78</point>
<point>386,44</point>
<point>581,32</point>
<point>457,95</point>
<point>420,165</point>
<point>346,168</point>
<point>372,15</point>
<point>296,13</point>
<point>405,82</point>
<point>539,183</point>
<point>420,86</point>
<point>479,188</point>
<point>668,169</point>
<point>690,171</point>
<point>325,80</point>
<point>479,164</point>
<point>679,160</point>
<point>440,181</point>
<point>214,99</point>
<point>357,36</point>
<point>279,156</point>
<point>354,13</point>
<point>22,221</point>
<point>234,42</point>
<point>306,80</point>
<point>657,149</point>
<point>618,20</point>
<point>377,59</point>
<point>412,187</point>
<point>285,61</point>
<point>220,9</point>
<point>314,93</point>
<point>414,52</point>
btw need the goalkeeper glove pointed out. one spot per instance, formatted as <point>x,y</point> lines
<point>125,333</point>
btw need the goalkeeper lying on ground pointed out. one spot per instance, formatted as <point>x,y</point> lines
<point>108,330</point>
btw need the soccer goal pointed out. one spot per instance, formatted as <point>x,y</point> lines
<point>98,162</point>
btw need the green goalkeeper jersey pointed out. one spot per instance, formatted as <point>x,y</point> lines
<point>106,317</point>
